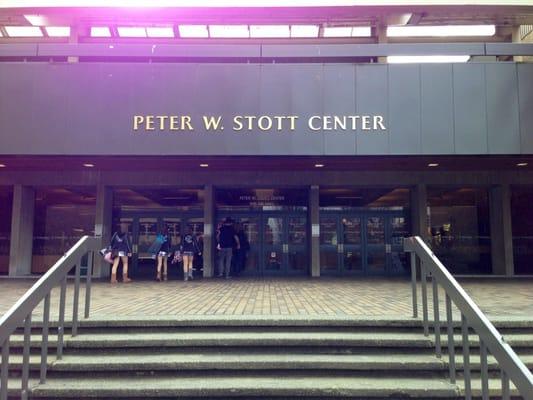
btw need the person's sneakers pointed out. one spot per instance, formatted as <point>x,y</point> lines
<point>191,277</point>
<point>185,278</point>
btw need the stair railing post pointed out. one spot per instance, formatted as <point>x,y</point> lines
<point>451,347</point>
<point>506,392</point>
<point>436,316</point>
<point>61,322</point>
<point>4,373</point>
<point>466,358</point>
<point>44,343</point>
<point>484,370</point>
<point>26,357</point>
<point>413,284</point>
<point>88,282</point>
<point>423,278</point>
<point>76,299</point>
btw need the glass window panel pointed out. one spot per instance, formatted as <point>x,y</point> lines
<point>459,227</point>
<point>353,260</point>
<point>173,226</point>
<point>355,198</point>
<point>62,216</point>
<point>274,260</point>
<point>298,260</point>
<point>6,208</point>
<point>329,260</point>
<point>147,234</point>
<point>399,230</point>
<point>375,230</point>
<point>261,199</point>
<point>328,231</point>
<point>148,199</point>
<point>522,223</point>
<point>376,261</point>
<point>298,231</point>
<point>351,228</point>
<point>273,231</point>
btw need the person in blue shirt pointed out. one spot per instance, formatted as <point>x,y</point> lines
<point>160,250</point>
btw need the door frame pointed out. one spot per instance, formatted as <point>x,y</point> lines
<point>262,248</point>
<point>390,247</point>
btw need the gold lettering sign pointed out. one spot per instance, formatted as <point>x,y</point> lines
<point>259,123</point>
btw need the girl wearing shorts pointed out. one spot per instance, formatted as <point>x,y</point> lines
<point>162,255</point>
<point>189,247</point>
<point>120,250</point>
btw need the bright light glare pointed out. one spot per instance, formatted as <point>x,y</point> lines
<point>445,30</point>
<point>426,59</point>
<point>193,31</point>
<point>160,31</point>
<point>270,31</point>
<point>100,31</point>
<point>304,31</point>
<point>348,31</point>
<point>36,20</point>
<point>131,31</point>
<point>338,31</point>
<point>58,31</point>
<point>229,31</point>
<point>24,31</point>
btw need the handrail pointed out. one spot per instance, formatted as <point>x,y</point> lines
<point>472,317</point>
<point>21,312</point>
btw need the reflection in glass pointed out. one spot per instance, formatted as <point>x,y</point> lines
<point>353,260</point>
<point>147,235</point>
<point>329,260</point>
<point>273,261</point>
<point>274,231</point>
<point>328,231</point>
<point>297,260</point>
<point>351,230</point>
<point>376,261</point>
<point>399,230</point>
<point>173,226</point>
<point>375,230</point>
<point>297,231</point>
<point>459,226</point>
<point>522,223</point>
<point>62,216</point>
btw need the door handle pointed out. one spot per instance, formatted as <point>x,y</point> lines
<point>285,248</point>
<point>135,248</point>
<point>388,248</point>
<point>340,248</point>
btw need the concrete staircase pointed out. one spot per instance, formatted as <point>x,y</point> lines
<point>255,357</point>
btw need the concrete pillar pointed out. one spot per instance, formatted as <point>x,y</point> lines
<point>209,230</point>
<point>21,248</point>
<point>314,219</point>
<point>103,226</point>
<point>419,215</point>
<point>501,233</point>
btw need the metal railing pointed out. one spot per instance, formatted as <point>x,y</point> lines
<point>21,313</point>
<point>490,340</point>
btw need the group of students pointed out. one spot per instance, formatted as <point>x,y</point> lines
<point>232,245</point>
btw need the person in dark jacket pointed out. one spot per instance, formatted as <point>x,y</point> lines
<point>120,250</point>
<point>239,253</point>
<point>189,248</point>
<point>227,240</point>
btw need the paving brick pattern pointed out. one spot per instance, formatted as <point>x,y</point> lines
<point>313,297</point>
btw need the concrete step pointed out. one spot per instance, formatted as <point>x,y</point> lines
<point>248,385</point>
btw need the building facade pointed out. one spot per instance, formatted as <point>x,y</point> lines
<point>327,155</point>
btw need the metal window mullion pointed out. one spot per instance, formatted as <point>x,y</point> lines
<point>76,299</point>
<point>424,299</point>
<point>451,346</point>
<point>26,357</point>
<point>4,373</point>
<point>484,370</point>
<point>44,343</point>
<point>436,316</point>
<point>466,359</point>
<point>413,284</point>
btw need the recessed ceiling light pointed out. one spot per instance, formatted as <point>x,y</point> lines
<point>2,165</point>
<point>319,165</point>
<point>204,165</point>
<point>522,164</point>
<point>433,165</point>
<point>88,165</point>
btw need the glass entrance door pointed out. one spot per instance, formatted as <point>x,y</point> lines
<point>144,229</point>
<point>367,243</point>
<point>278,243</point>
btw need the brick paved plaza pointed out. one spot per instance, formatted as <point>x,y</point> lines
<point>312,297</point>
